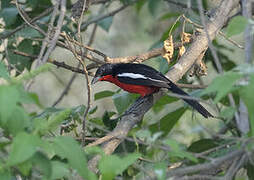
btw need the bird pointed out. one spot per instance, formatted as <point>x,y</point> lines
<point>144,80</point>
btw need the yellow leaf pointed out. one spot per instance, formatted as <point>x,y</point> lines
<point>168,48</point>
<point>181,51</point>
<point>186,37</point>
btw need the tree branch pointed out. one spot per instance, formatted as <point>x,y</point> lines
<point>136,112</point>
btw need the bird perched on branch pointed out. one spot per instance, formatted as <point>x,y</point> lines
<point>144,80</point>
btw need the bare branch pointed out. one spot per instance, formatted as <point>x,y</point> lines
<point>76,70</point>
<point>57,31</point>
<point>205,166</point>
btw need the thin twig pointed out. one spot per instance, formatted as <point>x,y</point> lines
<point>56,33</point>
<point>48,35</point>
<point>44,13</point>
<point>88,85</point>
<point>231,40</point>
<point>237,164</point>
<point>27,19</point>
<point>101,17</point>
<point>205,166</point>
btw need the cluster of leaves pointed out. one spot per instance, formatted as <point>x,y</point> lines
<point>30,148</point>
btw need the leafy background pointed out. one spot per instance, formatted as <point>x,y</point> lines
<point>31,145</point>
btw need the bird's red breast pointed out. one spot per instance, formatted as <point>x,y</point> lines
<point>138,89</point>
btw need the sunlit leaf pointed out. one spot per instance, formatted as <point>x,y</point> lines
<point>112,165</point>
<point>167,122</point>
<point>103,94</point>
<point>24,147</point>
<point>59,170</point>
<point>106,23</point>
<point>160,170</point>
<point>67,148</point>
<point>236,25</point>
<point>3,71</point>
<point>123,100</point>
<point>222,85</point>
<point>177,151</point>
<point>9,15</point>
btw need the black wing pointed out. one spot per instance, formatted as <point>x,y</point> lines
<point>140,74</point>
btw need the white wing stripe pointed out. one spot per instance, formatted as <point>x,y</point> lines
<point>132,75</point>
<point>137,76</point>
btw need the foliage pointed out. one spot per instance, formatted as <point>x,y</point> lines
<point>32,144</point>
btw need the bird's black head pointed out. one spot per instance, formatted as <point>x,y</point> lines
<point>105,69</point>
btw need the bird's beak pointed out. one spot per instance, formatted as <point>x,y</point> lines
<point>95,80</point>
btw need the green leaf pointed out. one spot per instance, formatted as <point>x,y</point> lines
<point>3,71</point>
<point>171,29</point>
<point>93,110</point>
<point>202,145</point>
<point>25,167</point>
<point>13,117</point>
<point>33,97</point>
<point>29,32</point>
<point>222,85</point>
<point>176,151</point>
<point>55,120</point>
<point>250,172</point>
<point>33,73</point>
<point>160,170</point>
<point>153,6</point>
<point>9,96</point>
<point>5,175</point>
<point>123,100</point>
<point>6,4</point>
<point>21,62</point>
<point>52,123</point>
<point>43,163</point>
<point>32,3</point>
<point>23,147</point>
<point>103,94</point>
<point>236,25</point>
<point>94,150</point>
<point>140,4</point>
<point>18,121</point>
<point>111,123</point>
<point>159,64</point>
<point>246,93</point>
<point>228,112</point>
<point>112,165</point>
<point>169,15</point>
<point>9,15</point>
<point>67,148</point>
<point>167,122</point>
<point>59,170</point>
<point>106,23</point>
<point>159,105</point>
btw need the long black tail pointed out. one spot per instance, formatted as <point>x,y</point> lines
<point>191,102</point>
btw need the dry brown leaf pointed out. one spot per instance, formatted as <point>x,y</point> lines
<point>168,48</point>
<point>186,37</point>
<point>181,51</point>
<point>199,68</point>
